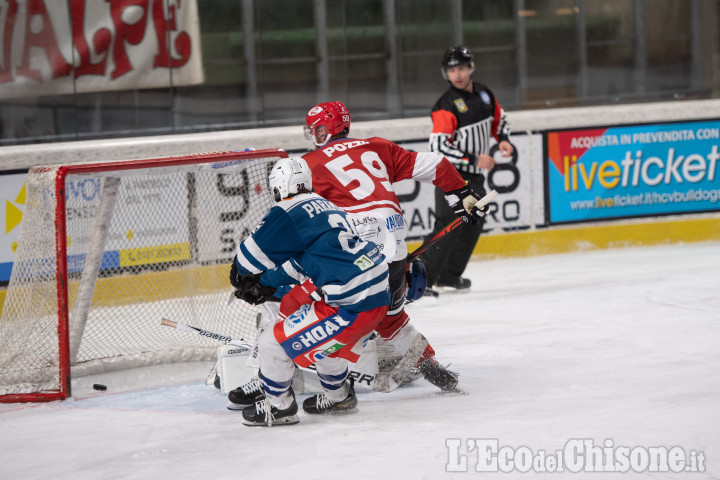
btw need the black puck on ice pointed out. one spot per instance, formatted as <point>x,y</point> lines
<point>99,386</point>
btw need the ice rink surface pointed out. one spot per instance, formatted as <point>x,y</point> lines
<point>619,347</point>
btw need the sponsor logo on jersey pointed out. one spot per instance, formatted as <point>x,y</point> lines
<point>395,222</point>
<point>485,97</point>
<point>302,318</point>
<point>460,105</point>
<point>319,333</point>
<point>364,263</point>
<point>294,320</point>
<point>359,222</point>
<point>334,348</point>
<point>319,355</point>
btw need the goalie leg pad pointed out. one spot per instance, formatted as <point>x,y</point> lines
<point>403,334</point>
<point>232,369</point>
<point>390,380</point>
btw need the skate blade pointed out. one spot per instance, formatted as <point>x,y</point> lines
<point>456,392</point>
<point>347,411</point>
<point>278,422</point>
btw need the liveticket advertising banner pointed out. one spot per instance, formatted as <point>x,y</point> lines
<point>632,171</point>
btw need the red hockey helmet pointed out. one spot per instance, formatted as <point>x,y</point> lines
<point>333,116</point>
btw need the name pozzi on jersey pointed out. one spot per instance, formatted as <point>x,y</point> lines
<point>314,207</point>
<point>341,147</point>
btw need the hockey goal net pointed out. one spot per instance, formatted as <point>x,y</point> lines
<point>107,250</point>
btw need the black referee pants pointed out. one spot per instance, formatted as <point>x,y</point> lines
<point>446,262</point>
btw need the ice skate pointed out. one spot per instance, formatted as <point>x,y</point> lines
<point>458,285</point>
<point>321,404</point>
<point>265,414</point>
<point>438,375</point>
<point>245,395</point>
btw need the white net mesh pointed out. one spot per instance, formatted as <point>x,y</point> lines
<point>142,244</point>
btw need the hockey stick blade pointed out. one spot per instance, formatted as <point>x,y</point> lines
<point>450,227</point>
<point>204,333</point>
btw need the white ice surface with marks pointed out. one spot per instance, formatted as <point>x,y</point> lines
<point>612,344</point>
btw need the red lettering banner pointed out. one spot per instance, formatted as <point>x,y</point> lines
<point>52,47</point>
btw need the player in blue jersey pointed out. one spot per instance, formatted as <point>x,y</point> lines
<point>329,315</point>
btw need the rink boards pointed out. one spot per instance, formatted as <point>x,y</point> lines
<point>571,186</point>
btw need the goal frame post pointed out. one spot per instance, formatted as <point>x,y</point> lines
<point>61,254</point>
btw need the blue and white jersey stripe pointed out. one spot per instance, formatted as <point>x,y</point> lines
<point>310,236</point>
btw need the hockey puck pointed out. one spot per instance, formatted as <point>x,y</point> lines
<point>99,386</point>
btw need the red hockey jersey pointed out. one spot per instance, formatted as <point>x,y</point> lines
<point>357,175</point>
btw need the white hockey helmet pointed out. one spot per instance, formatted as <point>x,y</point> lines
<point>288,177</point>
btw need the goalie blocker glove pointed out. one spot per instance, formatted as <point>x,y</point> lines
<point>248,287</point>
<point>462,201</point>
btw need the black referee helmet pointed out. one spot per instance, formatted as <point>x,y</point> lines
<point>455,56</point>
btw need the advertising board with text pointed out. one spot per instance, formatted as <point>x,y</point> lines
<point>632,171</point>
<point>519,205</point>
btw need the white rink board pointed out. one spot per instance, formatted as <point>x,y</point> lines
<point>521,206</point>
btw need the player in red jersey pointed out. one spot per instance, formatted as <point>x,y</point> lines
<point>357,175</point>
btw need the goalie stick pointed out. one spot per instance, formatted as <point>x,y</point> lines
<point>221,338</point>
<point>450,227</point>
<point>364,375</point>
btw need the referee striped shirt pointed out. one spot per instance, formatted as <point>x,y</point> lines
<point>463,123</point>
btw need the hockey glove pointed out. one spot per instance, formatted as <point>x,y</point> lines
<point>416,280</point>
<point>248,287</point>
<point>462,201</point>
<point>300,295</point>
<point>234,275</point>
<point>252,291</point>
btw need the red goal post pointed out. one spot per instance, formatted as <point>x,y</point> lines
<point>107,249</point>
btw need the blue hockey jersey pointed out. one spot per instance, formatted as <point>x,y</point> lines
<point>317,237</point>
